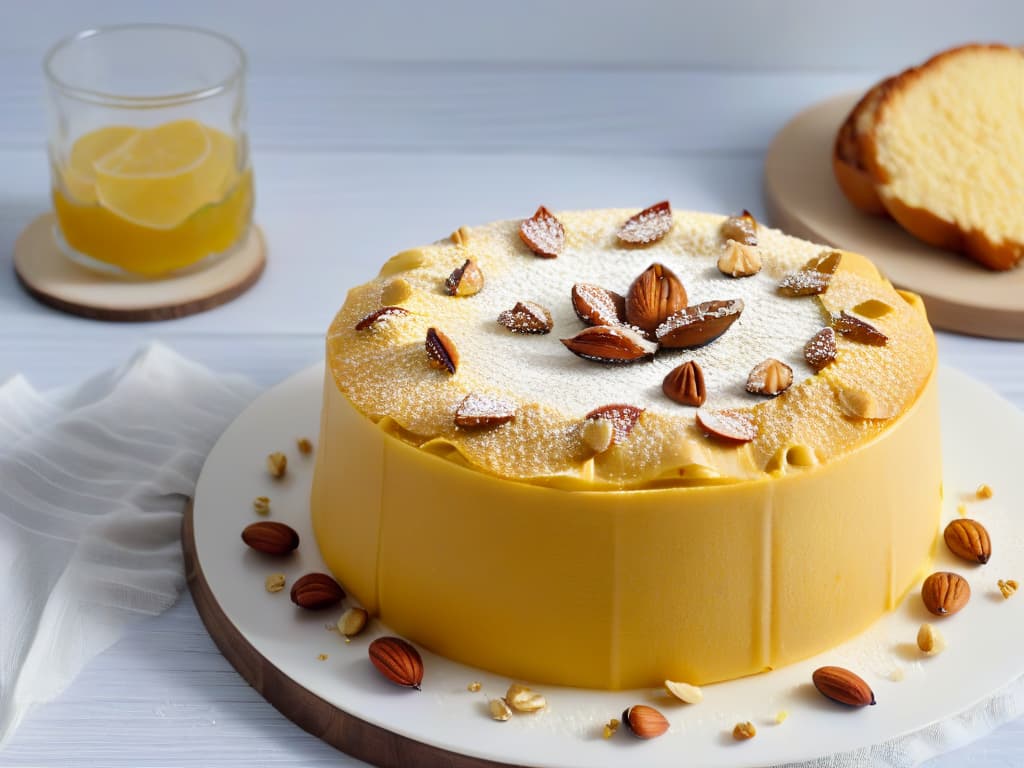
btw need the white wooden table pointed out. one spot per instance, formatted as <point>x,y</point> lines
<point>379,128</point>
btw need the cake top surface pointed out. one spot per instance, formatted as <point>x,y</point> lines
<point>522,405</point>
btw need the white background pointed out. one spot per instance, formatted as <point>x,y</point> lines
<point>377,126</point>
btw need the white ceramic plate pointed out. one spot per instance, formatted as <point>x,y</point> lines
<point>981,444</point>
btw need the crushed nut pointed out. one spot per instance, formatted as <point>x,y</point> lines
<point>275,582</point>
<point>523,699</point>
<point>277,464</point>
<point>473,687</point>
<point>984,491</point>
<point>1007,588</point>
<point>744,731</point>
<point>739,260</point>
<point>962,509</point>
<point>930,640</point>
<point>322,657</point>
<point>610,728</point>
<point>261,505</point>
<point>499,710</point>
<point>897,674</point>
<point>304,445</point>
<point>781,716</point>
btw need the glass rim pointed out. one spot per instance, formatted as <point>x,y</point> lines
<point>155,100</point>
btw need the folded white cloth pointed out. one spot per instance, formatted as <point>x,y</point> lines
<point>93,481</point>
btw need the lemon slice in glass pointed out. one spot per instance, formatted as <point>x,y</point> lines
<point>79,176</point>
<point>162,175</point>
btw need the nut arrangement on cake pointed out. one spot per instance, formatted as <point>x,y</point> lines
<point>606,448</point>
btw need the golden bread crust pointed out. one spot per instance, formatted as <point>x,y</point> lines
<point>854,179</point>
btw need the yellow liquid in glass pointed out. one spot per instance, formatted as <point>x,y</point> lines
<point>153,200</point>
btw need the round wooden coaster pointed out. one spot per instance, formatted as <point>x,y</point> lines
<point>804,199</point>
<point>313,714</point>
<point>53,279</point>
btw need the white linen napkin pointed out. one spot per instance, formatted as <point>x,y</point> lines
<point>93,481</point>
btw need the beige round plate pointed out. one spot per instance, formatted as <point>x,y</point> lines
<point>53,279</point>
<point>803,199</point>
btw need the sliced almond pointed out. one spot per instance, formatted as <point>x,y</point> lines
<point>770,377</point>
<point>739,260</point>
<point>826,262</point>
<point>466,280</point>
<point>379,316</point>
<point>729,425</point>
<point>804,282</point>
<point>685,692</point>
<point>441,351</point>
<point>499,710</point>
<point>742,228</point>
<point>649,225</point>
<point>608,344</point>
<point>595,305</point>
<point>858,329</point>
<point>861,404</point>
<point>621,416</point>
<point>820,351</point>
<point>479,411</point>
<point>698,325</point>
<point>543,234</point>
<point>527,317</point>
<point>653,296</point>
<point>685,384</point>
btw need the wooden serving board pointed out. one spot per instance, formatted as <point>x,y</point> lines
<point>53,279</point>
<point>804,199</point>
<point>313,714</point>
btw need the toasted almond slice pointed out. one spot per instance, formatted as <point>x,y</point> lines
<point>649,225</point>
<point>685,692</point>
<point>729,425</point>
<point>441,351</point>
<point>820,351</point>
<point>804,282</point>
<point>543,234</point>
<point>477,411</point>
<point>466,280</point>
<point>742,228</point>
<point>622,417</point>
<point>381,315</point>
<point>858,329</point>
<point>698,325</point>
<point>595,305</point>
<point>526,317</point>
<point>608,344</point>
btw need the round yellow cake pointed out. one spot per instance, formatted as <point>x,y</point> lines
<point>474,489</point>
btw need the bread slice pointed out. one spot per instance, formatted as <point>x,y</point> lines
<point>946,152</point>
<point>848,165</point>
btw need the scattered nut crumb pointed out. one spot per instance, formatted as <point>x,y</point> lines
<point>610,728</point>
<point>744,731</point>
<point>781,716</point>
<point>274,582</point>
<point>499,710</point>
<point>473,687</point>
<point>984,491</point>
<point>523,699</point>
<point>930,640</point>
<point>322,657</point>
<point>304,445</point>
<point>1007,588</point>
<point>277,464</point>
<point>261,505</point>
<point>691,694</point>
<point>962,509</point>
<point>897,674</point>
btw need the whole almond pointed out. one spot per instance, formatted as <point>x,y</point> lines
<point>595,305</point>
<point>653,296</point>
<point>685,384</point>
<point>441,351</point>
<point>271,538</point>
<point>543,234</point>
<point>379,316</point>
<point>969,540</point>
<point>769,377</point>
<point>316,591</point>
<point>649,225</point>
<point>478,411</point>
<point>610,344</point>
<point>398,661</point>
<point>466,280</point>
<point>945,593</point>
<point>698,325</point>
<point>843,686</point>
<point>742,228</point>
<point>644,722</point>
